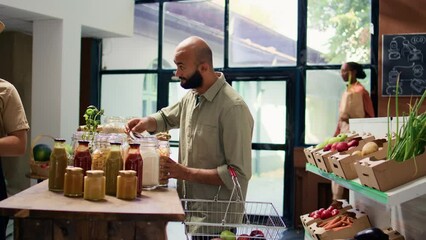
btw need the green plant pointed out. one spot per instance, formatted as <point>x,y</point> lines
<point>92,117</point>
<point>410,138</point>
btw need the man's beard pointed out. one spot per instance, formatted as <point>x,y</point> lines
<point>195,81</point>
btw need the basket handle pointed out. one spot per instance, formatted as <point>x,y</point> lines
<point>232,171</point>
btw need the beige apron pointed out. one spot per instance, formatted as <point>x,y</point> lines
<point>351,106</point>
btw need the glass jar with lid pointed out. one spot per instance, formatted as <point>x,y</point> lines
<point>164,152</point>
<point>57,165</point>
<point>127,184</point>
<point>113,164</point>
<point>82,157</point>
<point>134,162</point>
<point>101,148</point>
<point>114,124</point>
<point>94,185</point>
<point>73,185</point>
<point>150,157</point>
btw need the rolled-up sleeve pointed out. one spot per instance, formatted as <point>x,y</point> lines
<point>167,118</point>
<point>237,133</point>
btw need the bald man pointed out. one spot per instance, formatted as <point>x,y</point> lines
<point>215,125</point>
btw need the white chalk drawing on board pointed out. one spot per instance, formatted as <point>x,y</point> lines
<point>401,50</point>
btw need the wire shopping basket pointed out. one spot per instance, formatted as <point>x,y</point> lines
<point>207,219</point>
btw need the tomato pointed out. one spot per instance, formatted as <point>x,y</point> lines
<point>244,237</point>
<point>334,212</point>
<point>326,214</point>
<point>257,233</point>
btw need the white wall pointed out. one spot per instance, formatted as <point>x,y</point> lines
<point>57,29</point>
<point>57,33</point>
<point>114,16</point>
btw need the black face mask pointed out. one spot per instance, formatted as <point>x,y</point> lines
<point>195,81</point>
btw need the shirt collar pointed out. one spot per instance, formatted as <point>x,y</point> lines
<point>214,89</point>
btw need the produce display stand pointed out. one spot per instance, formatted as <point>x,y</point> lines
<point>403,208</point>
<point>392,197</point>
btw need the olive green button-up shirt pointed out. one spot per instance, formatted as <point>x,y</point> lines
<point>214,134</point>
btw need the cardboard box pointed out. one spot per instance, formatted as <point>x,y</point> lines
<point>309,154</point>
<point>382,174</point>
<point>393,234</point>
<point>361,222</point>
<point>306,220</point>
<point>342,163</point>
<point>322,157</point>
<point>310,150</point>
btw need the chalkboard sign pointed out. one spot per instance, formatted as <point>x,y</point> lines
<point>403,55</point>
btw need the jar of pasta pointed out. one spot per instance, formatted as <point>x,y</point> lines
<point>164,152</point>
<point>100,152</point>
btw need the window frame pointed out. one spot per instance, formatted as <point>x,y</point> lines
<point>296,83</point>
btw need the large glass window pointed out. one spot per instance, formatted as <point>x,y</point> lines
<point>200,18</point>
<point>255,44</point>
<point>139,51</point>
<point>127,95</point>
<point>267,104</point>
<point>266,183</point>
<point>262,33</point>
<point>176,92</point>
<point>338,31</point>
<point>323,91</point>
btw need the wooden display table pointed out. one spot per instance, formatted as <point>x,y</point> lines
<point>42,214</point>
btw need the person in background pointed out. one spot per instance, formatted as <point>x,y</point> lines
<point>215,124</point>
<point>355,103</point>
<point>13,132</point>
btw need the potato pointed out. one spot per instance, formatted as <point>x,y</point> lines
<point>357,153</point>
<point>369,148</point>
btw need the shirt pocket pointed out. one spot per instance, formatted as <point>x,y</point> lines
<point>207,146</point>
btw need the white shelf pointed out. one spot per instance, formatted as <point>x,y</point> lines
<point>392,197</point>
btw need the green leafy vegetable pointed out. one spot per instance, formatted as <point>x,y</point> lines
<point>92,117</point>
<point>410,138</point>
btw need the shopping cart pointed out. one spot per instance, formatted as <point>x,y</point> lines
<point>207,219</point>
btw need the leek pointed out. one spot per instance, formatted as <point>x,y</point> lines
<point>410,138</point>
